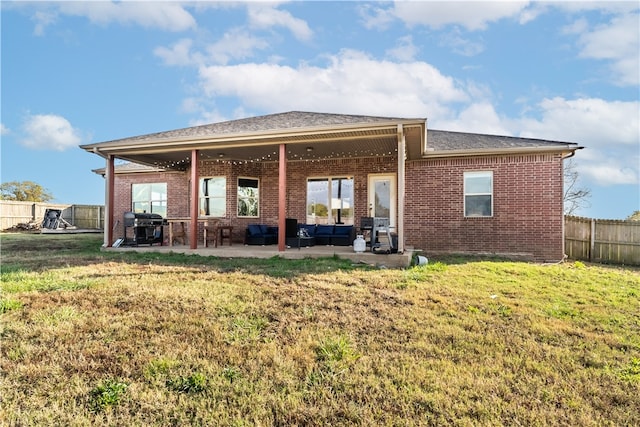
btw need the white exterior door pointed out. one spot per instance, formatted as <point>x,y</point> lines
<point>383,197</point>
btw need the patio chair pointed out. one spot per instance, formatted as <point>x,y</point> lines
<point>211,232</point>
<point>179,234</point>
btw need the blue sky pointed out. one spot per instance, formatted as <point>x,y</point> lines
<point>83,72</point>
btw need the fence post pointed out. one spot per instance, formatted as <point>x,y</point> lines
<point>592,239</point>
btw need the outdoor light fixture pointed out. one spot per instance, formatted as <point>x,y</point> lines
<point>220,155</point>
<point>309,149</point>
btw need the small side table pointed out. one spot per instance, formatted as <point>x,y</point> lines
<point>298,242</point>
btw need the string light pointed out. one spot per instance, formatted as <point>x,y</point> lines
<point>312,156</point>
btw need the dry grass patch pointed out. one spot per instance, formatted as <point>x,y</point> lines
<point>103,338</point>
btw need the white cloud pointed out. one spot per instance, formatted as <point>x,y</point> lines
<point>472,15</point>
<point>579,26</point>
<point>608,129</point>
<point>460,45</point>
<point>591,121</point>
<point>375,17</point>
<point>178,54</point>
<point>43,19</point>
<point>207,117</point>
<point>4,130</point>
<point>608,171</point>
<point>235,44</point>
<point>619,42</point>
<point>404,51</point>
<point>477,15</point>
<point>480,117</point>
<point>264,15</point>
<point>610,7</point>
<point>49,132</point>
<point>165,15</point>
<point>351,82</point>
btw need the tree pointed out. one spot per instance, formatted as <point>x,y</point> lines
<point>634,216</point>
<point>24,191</point>
<point>574,196</point>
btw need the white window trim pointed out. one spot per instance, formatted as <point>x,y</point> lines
<point>465,194</point>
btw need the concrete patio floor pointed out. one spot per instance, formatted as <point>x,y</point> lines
<point>239,250</point>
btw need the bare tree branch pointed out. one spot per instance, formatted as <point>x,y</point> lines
<point>574,196</point>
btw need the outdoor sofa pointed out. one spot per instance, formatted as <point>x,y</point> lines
<point>322,234</point>
<point>330,234</point>
<point>261,234</point>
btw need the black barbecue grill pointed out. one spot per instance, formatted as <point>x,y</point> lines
<point>381,239</point>
<point>145,228</point>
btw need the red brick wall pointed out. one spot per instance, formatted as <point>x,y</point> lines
<point>527,218</point>
<point>527,207</point>
<point>177,194</point>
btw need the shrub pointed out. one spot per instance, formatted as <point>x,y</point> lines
<point>194,383</point>
<point>106,394</point>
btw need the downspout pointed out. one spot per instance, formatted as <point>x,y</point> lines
<point>282,198</point>
<point>193,231</point>
<point>401,186</point>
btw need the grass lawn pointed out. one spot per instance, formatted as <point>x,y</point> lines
<point>105,338</point>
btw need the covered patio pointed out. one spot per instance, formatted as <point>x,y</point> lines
<point>277,139</point>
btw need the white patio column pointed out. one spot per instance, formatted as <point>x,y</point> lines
<point>401,186</point>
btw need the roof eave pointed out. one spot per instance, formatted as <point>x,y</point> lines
<point>246,138</point>
<point>569,149</point>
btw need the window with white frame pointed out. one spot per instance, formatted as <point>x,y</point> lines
<point>248,197</point>
<point>213,196</point>
<point>478,194</point>
<point>330,200</point>
<point>149,198</point>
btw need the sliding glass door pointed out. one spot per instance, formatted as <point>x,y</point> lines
<point>330,200</point>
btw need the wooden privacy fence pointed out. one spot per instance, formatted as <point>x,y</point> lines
<point>602,240</point>
<point>82,216</point>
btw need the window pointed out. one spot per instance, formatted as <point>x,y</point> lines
<point>149,198</point>
<point>330,200</point>
<point>478,194</point>
<point>248,200</point>
<point>213,196</point>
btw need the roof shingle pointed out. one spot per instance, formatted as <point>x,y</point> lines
<point>440,140</point>
<point>270,122</point>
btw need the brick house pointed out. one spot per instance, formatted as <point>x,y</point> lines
<point>444,192</point>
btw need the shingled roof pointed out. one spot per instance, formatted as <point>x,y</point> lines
<point>447,141</point>
<point>271,122</point>
<point>330,135</point>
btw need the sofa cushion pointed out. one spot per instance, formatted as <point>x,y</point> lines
<point>271,230</point>
<point>310,228</point>
<point>344,230</point>
<point>255,230</point>
<point>324,230</point>
<point>264,229</point>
